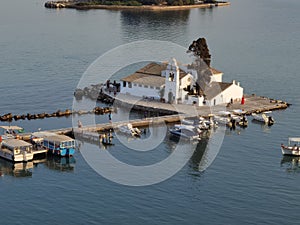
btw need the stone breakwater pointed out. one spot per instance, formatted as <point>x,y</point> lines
<point>82,6</point>
<point>59,113</point>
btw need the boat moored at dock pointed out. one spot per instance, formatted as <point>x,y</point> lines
<point>16,150</point>
<point>56,144</point>
<point>264,118</point>
<point>11,131</point>
<point>187,132</point>
<point>129,129</point>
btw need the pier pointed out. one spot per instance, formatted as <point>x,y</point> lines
<point>253,104</point>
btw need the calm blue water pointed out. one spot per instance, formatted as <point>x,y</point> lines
<point>43,54</point>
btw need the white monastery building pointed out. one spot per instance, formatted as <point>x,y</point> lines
<point>174,84</point>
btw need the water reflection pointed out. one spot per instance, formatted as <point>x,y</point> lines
<point>203,154</point>
<point>198,157</point>
<point>15,169</point>
<point>291,164</point>
<point>26,169</point>
<point>60,163</point>
<point>153,24</point>
<point>264,127</point>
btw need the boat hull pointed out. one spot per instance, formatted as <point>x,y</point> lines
<point>290,151</point>
<point>62,152</point>
<point>16,158</point>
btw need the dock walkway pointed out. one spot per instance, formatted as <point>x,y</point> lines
<point>252,104</point>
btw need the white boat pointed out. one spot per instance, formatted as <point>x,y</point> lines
<point>225,120</point>
<point>16,150</point>
<point>241,120</point>
<point>129,129</point>
<point>10,131</point>
<point>264,118</point>
<point>292,148</point>
<point>188,122</point>
<point>201,123</point>
<point>188,132</point>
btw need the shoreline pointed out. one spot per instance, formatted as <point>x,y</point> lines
<point>53,4</point>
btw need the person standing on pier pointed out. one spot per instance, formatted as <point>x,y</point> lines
<point>109,117</point>
<point>79,124</point>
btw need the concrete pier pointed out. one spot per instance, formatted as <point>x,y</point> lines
<point>173,113</point>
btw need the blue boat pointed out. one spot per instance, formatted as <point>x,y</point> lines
<point>60,145</point>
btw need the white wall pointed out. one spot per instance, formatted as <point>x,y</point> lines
<point>140,91</point>
<point>234,91</point>
<point>217,77</point>
<point>197,99</point>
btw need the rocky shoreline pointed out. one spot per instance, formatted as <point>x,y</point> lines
<point>75,5</point>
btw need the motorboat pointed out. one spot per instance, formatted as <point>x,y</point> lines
<point>201,123</point>
<point>223,117</point>
<point>264,118</point>
<point>9,132</point>
<point>57,144</point>
<point>292,148</point>
<point>16,150</point>
<point>188,132</point>
<point>129,129</point>
<point>242,121</point>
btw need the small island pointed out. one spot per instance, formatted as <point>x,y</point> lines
<point>135,4</point>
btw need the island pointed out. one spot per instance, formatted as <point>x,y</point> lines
<point>135,4</point>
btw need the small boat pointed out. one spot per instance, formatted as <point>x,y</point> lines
<point>106,139</point>
<point>201,123</point>
<point>292,148</point>
<point>16,150</point>
<point>264,118</point>
<point>223,117</point>
<point>185,131</point>
<point>242,121</point>
<point>56,144</point>
<point>129,129</point>
<point>11,131</point>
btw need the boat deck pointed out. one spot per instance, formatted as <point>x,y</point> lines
<point>39,151</point>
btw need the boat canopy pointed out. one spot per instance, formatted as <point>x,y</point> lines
<point>58,138</point>
<point>42,134</point>
<point>16,143</point>
<point>11,128</point>
<point>294,139</point>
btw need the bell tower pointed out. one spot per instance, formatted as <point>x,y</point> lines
<point>172,82</point>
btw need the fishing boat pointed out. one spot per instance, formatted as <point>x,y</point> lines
<point>129,129</point>
<point>188,132</point>
<point>16,150</point>
<point>60,145</point>
<point>263,118</point>
<point>292,148</point>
